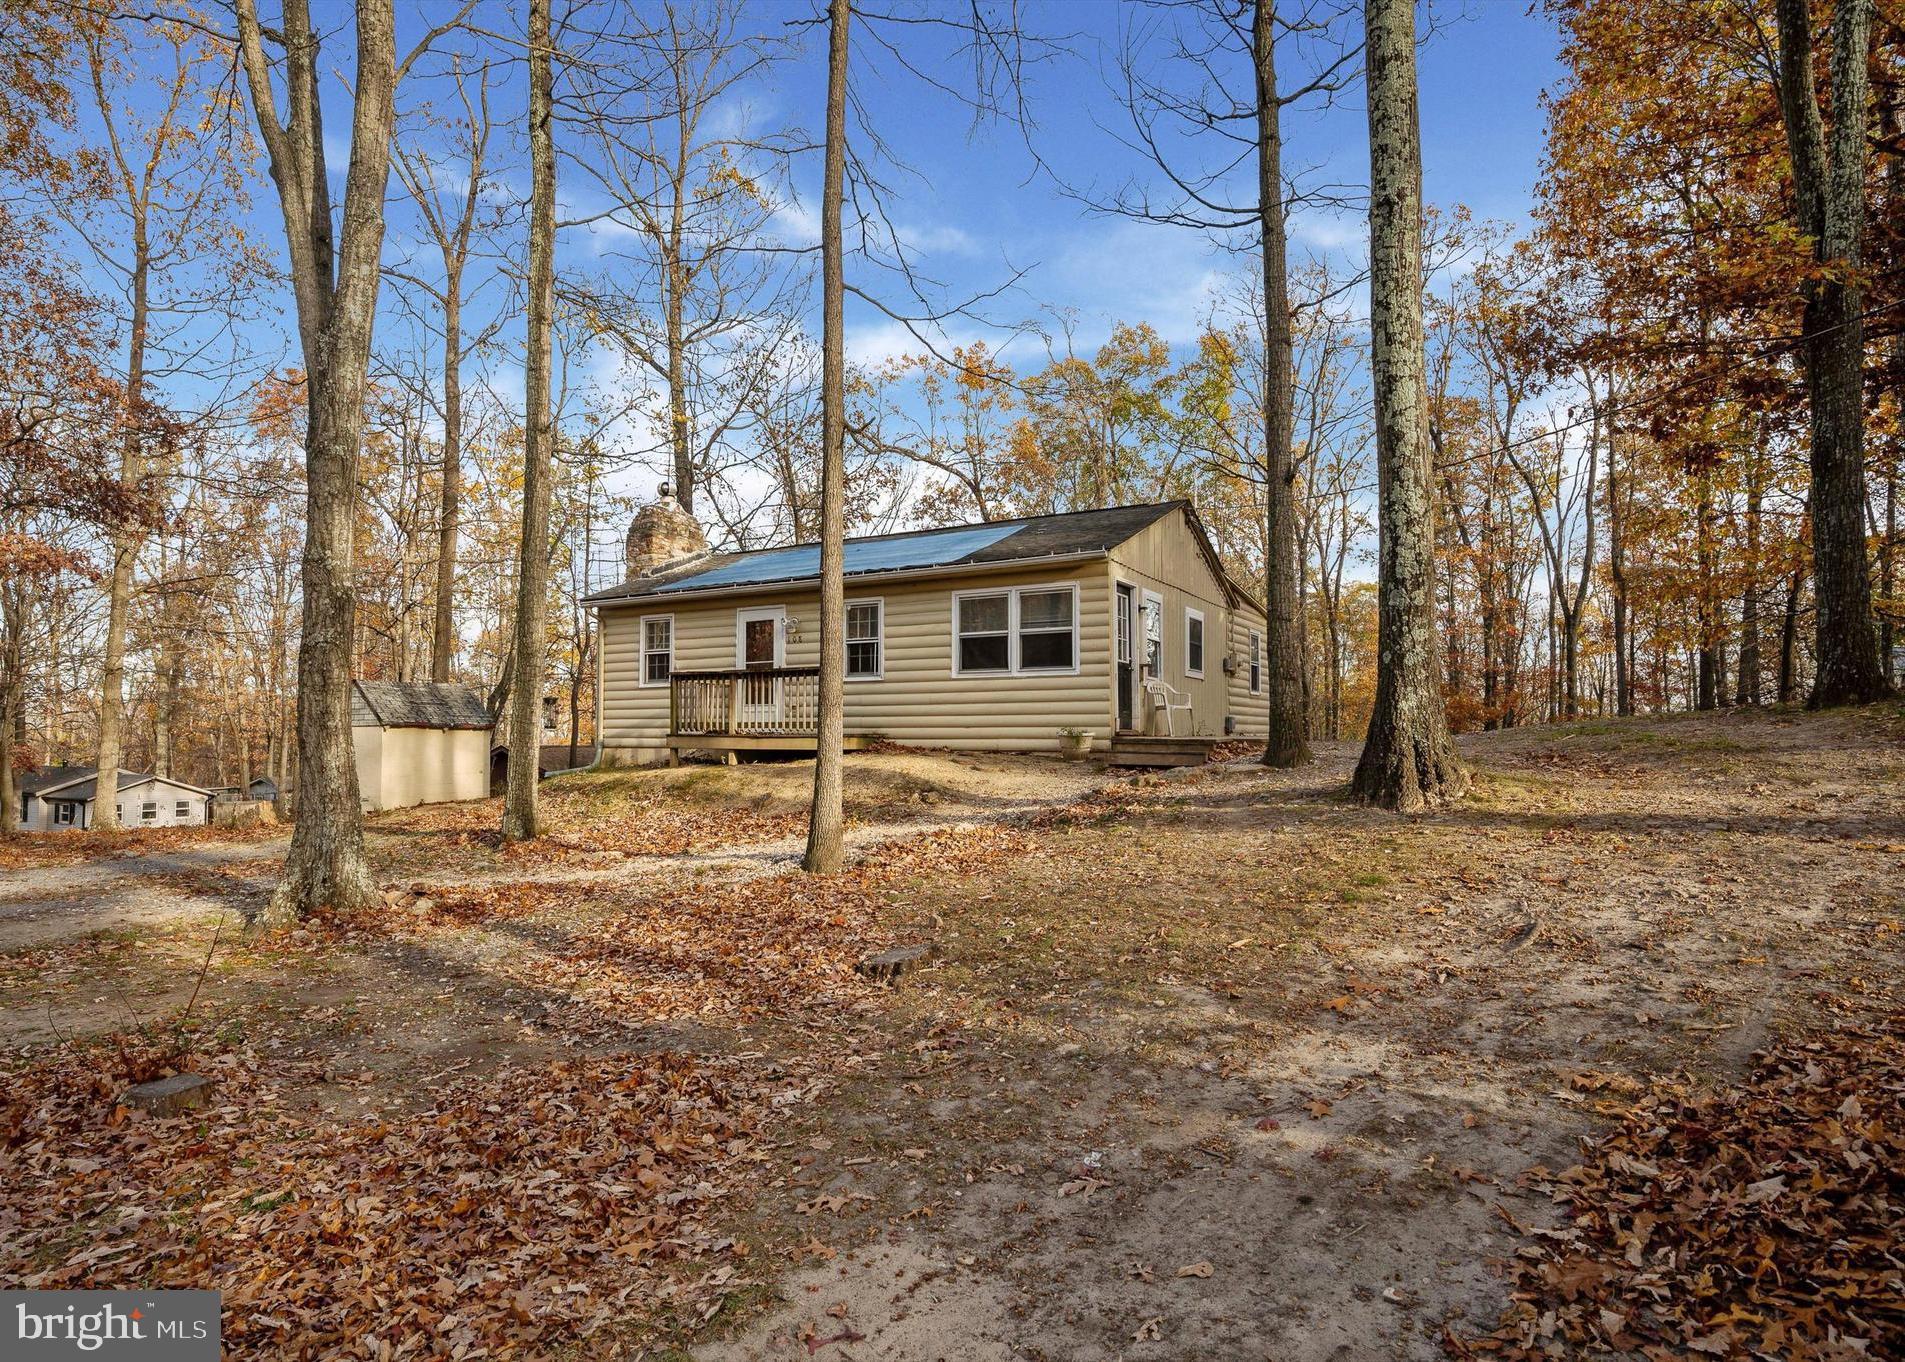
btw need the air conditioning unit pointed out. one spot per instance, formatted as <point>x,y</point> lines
<point>1230,724</point>
<point>1230,665</point>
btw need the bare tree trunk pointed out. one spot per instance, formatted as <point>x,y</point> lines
<point>1706,598</point>
<point>1408,759</point>
<point>1789,640</point>
<point>1829,189</point>
<point>1617,574</point>
<point>1888,560</point>
<point>1749,677</point>
<point>825,819</point>
<point>450,497</point>
<point>335,277</point>
<point>1288,732</point>
<point>125,538</point>
<point>520,812</point>
<point>15,602</point>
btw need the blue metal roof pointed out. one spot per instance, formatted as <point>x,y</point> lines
<point>931,549</point>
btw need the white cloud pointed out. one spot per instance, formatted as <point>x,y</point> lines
<point>1135,272</point>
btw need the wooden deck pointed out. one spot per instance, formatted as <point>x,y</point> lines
<point>1141,749</point>
<point>765,709</point>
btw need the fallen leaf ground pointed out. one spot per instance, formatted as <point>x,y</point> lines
<point>1208,1065</point>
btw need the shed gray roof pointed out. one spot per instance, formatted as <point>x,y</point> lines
<point>1029,537</point>
<point>82,782</point>
<point>416,704</point>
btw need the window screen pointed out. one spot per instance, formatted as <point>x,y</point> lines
<point>984,638</point>
<point>1045,630</point>
<point>658,649</point>
<point>863,638</point>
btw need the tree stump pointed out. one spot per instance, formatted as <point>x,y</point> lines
<point>170,1096</point>
<point>891,964</point>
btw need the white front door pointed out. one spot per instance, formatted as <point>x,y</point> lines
<point>760,645</point>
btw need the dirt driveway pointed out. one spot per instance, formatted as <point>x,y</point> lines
<point>1243,1071</point>
<point>160,896</point>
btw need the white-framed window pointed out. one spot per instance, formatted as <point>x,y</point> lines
<point>1017,630</point>
<point>1193,642</point>
<point>658,649</point>
<point>1256,662</point>
<point>1048,629</point>
<point>149,811</point>
<point>182,808</point>
<point>982,629</point>
<point>63,814</point>
<point>866,640</point>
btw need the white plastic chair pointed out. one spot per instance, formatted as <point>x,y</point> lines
<point>1165,697</point>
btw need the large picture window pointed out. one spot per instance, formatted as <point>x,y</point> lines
<point>1193,642</point>
<point>658,649</point>
<point>866,629</point>
<point>1026,629</point>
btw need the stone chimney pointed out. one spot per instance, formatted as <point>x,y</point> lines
<point>661,535</point>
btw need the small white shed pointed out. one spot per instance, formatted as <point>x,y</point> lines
<point>62,797</point>
<point>419,742</point>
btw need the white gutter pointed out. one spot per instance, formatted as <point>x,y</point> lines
<point>784,584</point>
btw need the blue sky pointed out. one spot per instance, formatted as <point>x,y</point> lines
<point>978,210</point>
<point>976,207</point>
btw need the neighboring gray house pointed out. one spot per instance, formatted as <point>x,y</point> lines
<point>62,797</point>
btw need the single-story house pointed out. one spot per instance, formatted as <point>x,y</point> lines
<point>63,797</point>
<point>419,742</point>
<point>1120,623</point>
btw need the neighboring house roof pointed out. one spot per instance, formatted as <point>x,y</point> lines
<point>82,782</point>
<point>1069,535</point>
<point>33,782</point>
<point>416,704</point>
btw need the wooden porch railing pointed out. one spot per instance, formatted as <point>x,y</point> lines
<point>767,702</point>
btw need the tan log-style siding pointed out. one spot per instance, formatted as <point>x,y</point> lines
<point>1165,558</point>
<point>1251,711</point>
<point>918,700</point>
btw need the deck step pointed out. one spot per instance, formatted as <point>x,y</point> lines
<point>1132,749</point>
